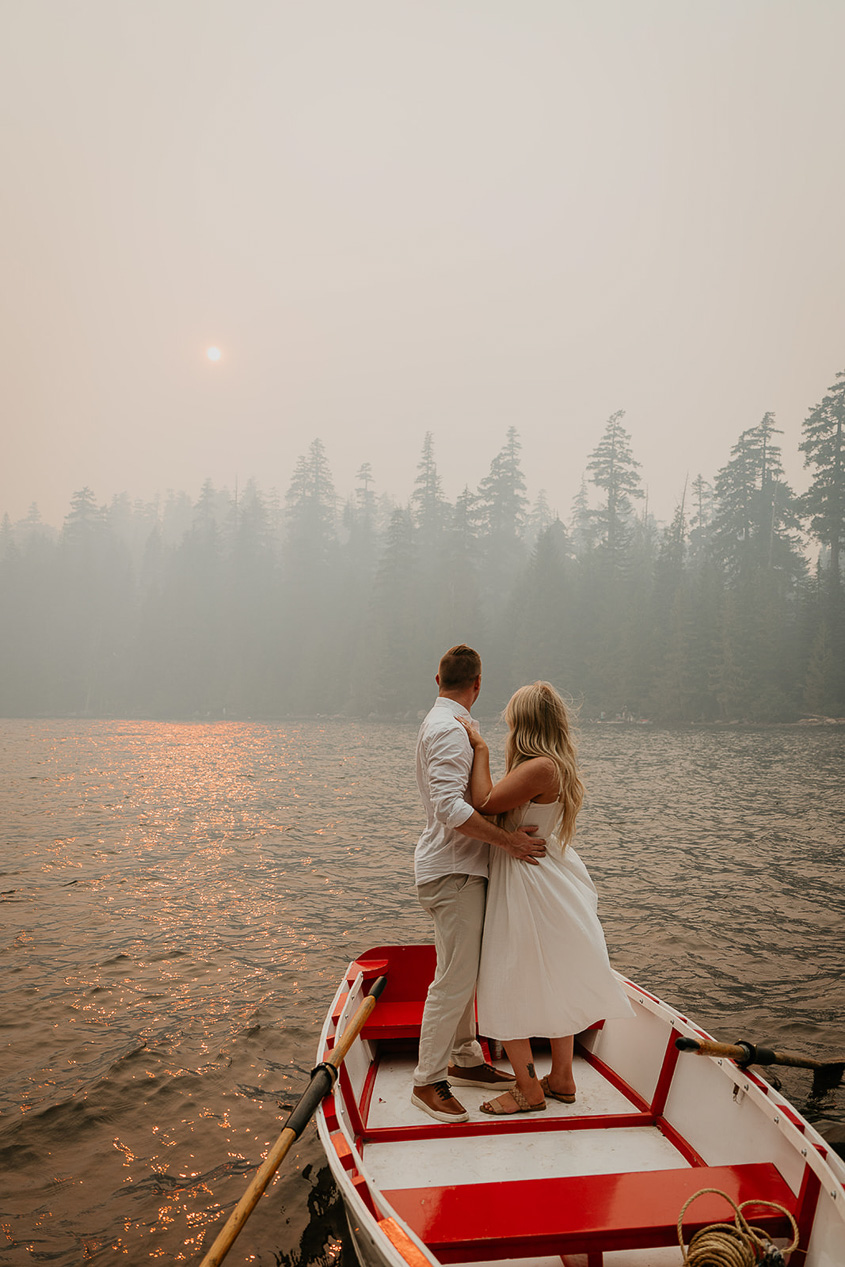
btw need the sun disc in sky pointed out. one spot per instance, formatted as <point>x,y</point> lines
<point>213,353</point>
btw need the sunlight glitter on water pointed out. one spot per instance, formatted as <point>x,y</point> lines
<point>180,899</point>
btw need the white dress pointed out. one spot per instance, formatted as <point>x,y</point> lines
<point>544,967</point>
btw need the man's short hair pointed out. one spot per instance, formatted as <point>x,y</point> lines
<point>459,667</point>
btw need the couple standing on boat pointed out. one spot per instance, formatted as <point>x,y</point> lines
<point>527,940</point>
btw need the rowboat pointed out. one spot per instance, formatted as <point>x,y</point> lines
<point>654,1135</point>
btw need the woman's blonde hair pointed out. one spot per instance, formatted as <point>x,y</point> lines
<point>538,726</point>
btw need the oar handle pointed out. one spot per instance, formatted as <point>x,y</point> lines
<point>742,1053</point>
<point>751,1054</point>
<point>355,1026</point>
<point>322,1081</point>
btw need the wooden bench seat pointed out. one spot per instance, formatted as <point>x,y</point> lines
<point>585,1214</point>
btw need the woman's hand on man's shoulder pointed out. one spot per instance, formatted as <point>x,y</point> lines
<point>471,728</point>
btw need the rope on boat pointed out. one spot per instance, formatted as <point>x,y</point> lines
<point>736,1244</point>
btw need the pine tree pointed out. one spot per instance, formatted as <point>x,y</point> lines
<point>501,506</point>
<point>756,520</point>
<point>95,597</point>
<point>823,447</point>
<point>539,518</point>
<point>544,646</point>
<point>428,505</point>
<point>584,531</point>
<point>733,521</point>
<point>249,608</point>
<point>614,471</point>
<point>395,660</point>
<point>308,623</point>
<point>777,517</point>
<point>360,516</point>
<point>85,519</point>
<point>310,510</point>
<point>824,504</point>
<point>457,594</point>
<point>501,495</point>
<point>701,519</point>
<point>365,498</point>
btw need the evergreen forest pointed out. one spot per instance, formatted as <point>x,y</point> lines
<point>265,605</point>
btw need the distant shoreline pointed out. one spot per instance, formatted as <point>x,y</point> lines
<point>488,719</point>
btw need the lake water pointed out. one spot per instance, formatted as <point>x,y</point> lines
<point>179,900</point>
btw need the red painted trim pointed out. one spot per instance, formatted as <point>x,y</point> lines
<point>371,968</point>
<point>639,989</point>
<point>683,1146</point>
<point>403,1244</point>
<point>362,1188</point>
<point>795,1118</point>
<point>499,1126</point>
<point>611,1076</point>
<point>344,1153</point>
<point>667,1071</point>
<point>367,1091</point>
<point>658,1105</point>
<point>808,1199</point>
<point>329,1112</point>
<point>350,1103</point>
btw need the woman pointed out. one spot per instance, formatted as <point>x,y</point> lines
<point>544,965</point>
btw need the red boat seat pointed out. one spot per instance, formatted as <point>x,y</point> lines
<point>409,971</point>
<point>395,1020</point>
<point>586,1214</point>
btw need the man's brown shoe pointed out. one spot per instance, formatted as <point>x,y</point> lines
<point>481,1076</point>
<point>437,1101</point>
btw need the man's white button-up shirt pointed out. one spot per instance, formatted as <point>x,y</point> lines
<point>444,762</point>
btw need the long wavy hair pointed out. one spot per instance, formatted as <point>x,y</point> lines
<point>538,726</point>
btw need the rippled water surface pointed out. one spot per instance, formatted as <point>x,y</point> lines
<point>179,900</point>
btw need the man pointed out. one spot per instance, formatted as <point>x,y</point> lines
<point>450,865</point>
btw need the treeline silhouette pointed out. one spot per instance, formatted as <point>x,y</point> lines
<point>256,605</point>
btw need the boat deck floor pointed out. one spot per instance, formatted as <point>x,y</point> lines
<point>512,1147</point>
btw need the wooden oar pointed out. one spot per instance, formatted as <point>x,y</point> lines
<point>322,1080</point>
<point>826,1073</point>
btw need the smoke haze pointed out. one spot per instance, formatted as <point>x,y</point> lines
<point>402,218</point>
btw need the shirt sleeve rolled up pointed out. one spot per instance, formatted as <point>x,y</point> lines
<point>449,765</point>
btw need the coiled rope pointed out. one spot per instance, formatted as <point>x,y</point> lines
<point>736,1244</point>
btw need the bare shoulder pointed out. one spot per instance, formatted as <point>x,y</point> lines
<point>532,780</point>
<point>544,775</point>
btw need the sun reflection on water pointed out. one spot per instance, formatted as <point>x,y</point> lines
<point>182,897</point>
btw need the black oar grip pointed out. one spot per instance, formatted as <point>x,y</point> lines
<point>330,1069</point>
<point>322,1082</point>
<point>323,1078</point>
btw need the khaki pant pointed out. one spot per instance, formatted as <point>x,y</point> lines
<point>456,904</point>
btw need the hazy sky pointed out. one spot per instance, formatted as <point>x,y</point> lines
<point>444,215</point>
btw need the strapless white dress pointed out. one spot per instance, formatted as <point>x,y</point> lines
<point>544,967</point>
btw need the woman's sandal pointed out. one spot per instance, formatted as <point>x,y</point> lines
<point>495,1109</point>
<point>556,1095</point>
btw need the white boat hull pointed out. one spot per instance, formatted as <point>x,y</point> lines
<point>596,1184</point>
